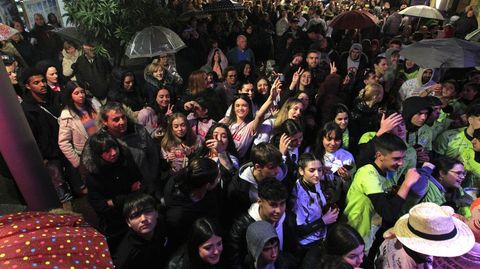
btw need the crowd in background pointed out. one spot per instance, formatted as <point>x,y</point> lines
<point>272,141</point>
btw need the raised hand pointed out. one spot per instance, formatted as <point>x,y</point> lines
<point>285,141</point>
<point>388,123</point>
<point>333,68</point>
<point>169,111</point>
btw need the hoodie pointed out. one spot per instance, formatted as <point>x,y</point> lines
<point>414,86</point>
<point>246,174</point>
<point>258,234</point>
<point>415,134</point>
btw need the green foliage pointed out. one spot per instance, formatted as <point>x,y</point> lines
<point>112,23</point>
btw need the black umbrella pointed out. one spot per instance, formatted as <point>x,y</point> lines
<point>223,6</point>
<point>72,34</point>
<point>443,53</point>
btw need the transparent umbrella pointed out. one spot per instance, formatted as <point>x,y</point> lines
<point>153,41</point>
<point>422,11</point>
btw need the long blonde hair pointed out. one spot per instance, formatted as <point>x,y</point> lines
<point>282,114</point>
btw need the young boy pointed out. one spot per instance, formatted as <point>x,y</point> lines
<point>144,244</point>
<point>369,192</point>
<point>270,207</point>
<point>266,161</point>
<point>452,142</point>
<point>262,242</point>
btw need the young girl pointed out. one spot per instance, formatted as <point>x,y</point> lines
<point>203,249</point>
<point>198,117</point>
<point>341,117</point>
<point>154,75</point>
<point>127,92</point>
<point>155,116</point>
<point>302,82</point>
<point>309,202</point>
<point>219,146</point>
<point>76,125</point>
<point>179,142</point>
<point>292,110</point>
<point>338,162</point>
<point>343,248</point>
<point>242,124</point>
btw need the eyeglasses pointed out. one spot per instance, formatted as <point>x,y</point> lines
<point>459,173</point>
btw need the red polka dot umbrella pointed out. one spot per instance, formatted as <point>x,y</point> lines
<point>47,240</point>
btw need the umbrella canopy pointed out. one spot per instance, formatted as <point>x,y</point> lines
<point>48,240</point>
<point>473,36</point>
<point>6,32</point>
<point>153,41</point>
<point>72,34</point>
<point>223,6</point>
<point>422,12</point>
<point>353,19</point>
<point>443,53</point>
<point>189,14</point>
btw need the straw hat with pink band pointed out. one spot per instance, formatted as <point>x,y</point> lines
<point>431,229</point>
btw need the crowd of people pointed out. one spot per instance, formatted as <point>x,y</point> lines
<point>272,141</point>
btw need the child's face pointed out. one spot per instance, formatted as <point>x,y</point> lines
<point>143,222</point>
<point>312,172</point>
<point>270,252</point>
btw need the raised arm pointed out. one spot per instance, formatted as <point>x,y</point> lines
<point>275,90</point>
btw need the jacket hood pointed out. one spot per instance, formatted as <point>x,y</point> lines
<point>412,106</point>
<point>258,234</point>
<point>420,74</point>
<point>246,173</point>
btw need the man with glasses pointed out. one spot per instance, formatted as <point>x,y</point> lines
<point>229,87</point>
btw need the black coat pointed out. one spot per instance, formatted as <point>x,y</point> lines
<point>133,99</point>
<point>43,124</point>
<point>137,252</point>
<point>110,181</point>
<point>236,245</point>
<point>181,211</point>
<point>95,74</point>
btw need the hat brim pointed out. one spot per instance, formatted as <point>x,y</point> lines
<point>460,244</point>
